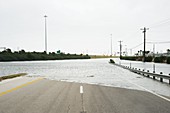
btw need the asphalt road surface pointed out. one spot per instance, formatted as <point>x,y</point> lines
<point>47,96</point>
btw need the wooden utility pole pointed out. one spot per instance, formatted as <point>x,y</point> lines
<point>120,48</point>
<point>144,32</point>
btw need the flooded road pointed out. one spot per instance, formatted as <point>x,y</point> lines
<point>151,66</point>
<point>92,71</point>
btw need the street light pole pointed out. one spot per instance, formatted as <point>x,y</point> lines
<point>111,44</point>
<point>154,50</point>
<point>45,33</point>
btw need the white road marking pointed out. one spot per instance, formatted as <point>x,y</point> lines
<point>149,91</point>
<point>81,89</point>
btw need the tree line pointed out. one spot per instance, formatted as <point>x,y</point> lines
<point>160,59</point>
<point>22,55</point>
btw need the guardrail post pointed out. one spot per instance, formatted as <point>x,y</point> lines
<point>153,67</point>
<point>148,72</point>
<point>139,72</point>
<point>136,71</point>
<point>154,76</point>
<point>161,79</point>
<point>143,71</point>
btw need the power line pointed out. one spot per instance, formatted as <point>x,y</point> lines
<point>159,42</point>
<point>137,46</point>
<point>160,23</point>
<point>149,43</point>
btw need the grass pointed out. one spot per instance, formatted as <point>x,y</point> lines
<point>12,76</point>
<point>102,56</point>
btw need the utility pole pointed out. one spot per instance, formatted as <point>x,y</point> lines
<point>45,33</point>
<point>126,51</point>
<point>111,45</point>
<point>154,50</point>
<point>120,48</point>
<point>131,52</point>
<point>144,32</point>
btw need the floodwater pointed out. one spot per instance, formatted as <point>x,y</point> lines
<point>91,71</point>
<point>151,66</point>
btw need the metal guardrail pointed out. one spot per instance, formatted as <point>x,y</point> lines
<point>148,74</point>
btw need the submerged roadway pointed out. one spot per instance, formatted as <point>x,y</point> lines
<point>50,96</point>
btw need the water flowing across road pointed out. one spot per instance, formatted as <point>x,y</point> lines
<point>91,71</point>
<point>151,66</point>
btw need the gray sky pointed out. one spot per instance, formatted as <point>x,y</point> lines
<point>84,26</point>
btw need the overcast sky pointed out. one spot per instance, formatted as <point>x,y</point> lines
<point>84,26</point>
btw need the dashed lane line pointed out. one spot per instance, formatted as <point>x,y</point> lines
<point>81,89</point>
